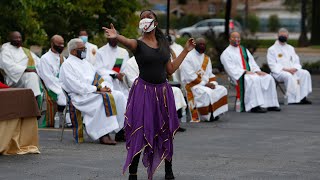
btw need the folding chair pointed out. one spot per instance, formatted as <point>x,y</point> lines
<point>278,84</point>
<point>51,107</point>
<point>76,120</point>
<point>233,85</point>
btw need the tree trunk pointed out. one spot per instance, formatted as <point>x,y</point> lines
<point>168,17</point>
<point>303,39</point>
<point>315,35</point>
<point>227,18</point>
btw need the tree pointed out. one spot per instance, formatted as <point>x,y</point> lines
<point>227,18</point>
<point>38,20</point>
<point>274,23</point>
<point>20,16</point>
<point>315,35</point>
<point>303,39</point>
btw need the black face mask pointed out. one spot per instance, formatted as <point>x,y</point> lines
<point>200,49</point>
<point>59,49</point>
<point>81,54</point>
<point>282,39</point>
<point>113,43</point>
<point>16,43</point>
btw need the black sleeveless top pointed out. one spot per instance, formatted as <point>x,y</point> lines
<point>151,62</point>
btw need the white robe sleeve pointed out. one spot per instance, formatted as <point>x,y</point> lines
<point>272,61</point>
<point>252,63</point>
<point>46,73</point>
<point>103,69</point>
<point>71,81</point>
<point>125,60</point>
<point>188,71</point>
<point>230,65</point>
<point>209,73</point>
<point>295,59</point>
<point>13,70</point>
<point>131,71</point>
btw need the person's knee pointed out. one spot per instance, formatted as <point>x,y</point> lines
<point>304,72</point>
<point>287,76</point>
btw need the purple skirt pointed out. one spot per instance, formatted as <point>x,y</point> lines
<point>150,123</point>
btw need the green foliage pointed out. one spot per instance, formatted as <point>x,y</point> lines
<point>240,19</point>
<point>274,23</point>
<point>313,68</point>
<point>38,20</point>
<point>20,16</point>
<point>253,23</point>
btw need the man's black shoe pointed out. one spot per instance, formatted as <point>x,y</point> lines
<point>180,129</point>
<point>305,101</point>
<point>212,119</point>
<point>273,109</point>
<point>258,109</point>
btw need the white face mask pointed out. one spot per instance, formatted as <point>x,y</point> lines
<point>147,25</point>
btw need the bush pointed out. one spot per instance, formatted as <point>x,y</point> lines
<point>313,68</point>
<point>253,23</point>
<point>274,23</point>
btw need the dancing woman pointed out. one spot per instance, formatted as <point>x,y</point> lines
<point>150,119</point>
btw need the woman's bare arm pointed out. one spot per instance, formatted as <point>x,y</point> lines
<point>111,32</point>
<point>172,66</point>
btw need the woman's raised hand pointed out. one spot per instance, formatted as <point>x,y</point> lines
<point>111,33</point>
<point>190,44</point>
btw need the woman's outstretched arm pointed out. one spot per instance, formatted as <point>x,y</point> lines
<point>172,66</point>
<point>111,32</point>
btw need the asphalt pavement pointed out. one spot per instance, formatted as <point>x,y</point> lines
<point>276,145</point>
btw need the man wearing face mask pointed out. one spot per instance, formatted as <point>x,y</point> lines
<point>203,92</point>
<point>19,64</point>
<point>111,63</point>
<point>102,109</point>
<point>91,48</point>
<point>256,90</point>
<point>285,67</point>
<point>48,70</point>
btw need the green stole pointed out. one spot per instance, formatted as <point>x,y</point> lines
<point>108,99</point>
<point>31,65</point>
<point>240,83</point>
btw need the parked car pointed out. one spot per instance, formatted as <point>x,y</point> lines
<point>215,26</point>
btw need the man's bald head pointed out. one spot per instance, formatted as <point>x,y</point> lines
<point>56,38</point>
<point>57,44</point>
<point>15,38</point>
<point>235,39</point>
<point>200,40</point>
<point>200,45</point>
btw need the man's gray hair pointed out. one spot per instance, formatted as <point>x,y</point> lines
<point>283,30</point>
<point>72,44</point>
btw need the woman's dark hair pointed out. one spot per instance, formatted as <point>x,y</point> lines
<point>161,38</point>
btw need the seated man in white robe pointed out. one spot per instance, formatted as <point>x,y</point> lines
<point>19,64</point>
<point>256,90</point>
<point>176,49</point>
<point>285,67</point>
<point>102,109</point>
<point>110,63</point>
<point>132,72</point>
<point>91,48</point>
<point>48,70</point>
<point>205,96</point>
